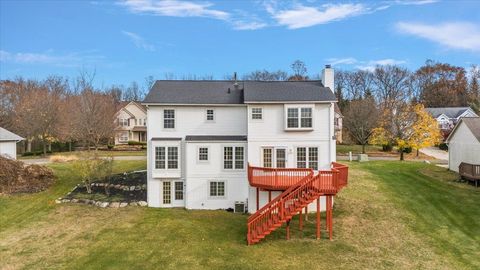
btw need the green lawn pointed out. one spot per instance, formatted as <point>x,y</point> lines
<point>356,149</point>
<point>101,153</point>
<point>392,215</point>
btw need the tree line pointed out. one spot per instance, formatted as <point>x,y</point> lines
<point>57,109</point>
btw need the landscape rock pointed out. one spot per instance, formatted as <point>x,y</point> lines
<point>123,204</point>
<point>115,204</point>
<point>142,203</point>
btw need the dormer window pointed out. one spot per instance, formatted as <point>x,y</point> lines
<point>210,115</point>
<point>168,118</point>
<point>299,118</point>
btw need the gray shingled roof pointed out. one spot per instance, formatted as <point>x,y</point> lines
<point>450,112</point>
<point>225,92</point>
<point>6,135</point>
<point>215,138</point>
<point>473,123</point>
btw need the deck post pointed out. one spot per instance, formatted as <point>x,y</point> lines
<point>258,198</point>
<point>288,230</point>
<point>269,196</point>
<point>327,220</point>
<point>318,218</point>
<point>300,220</point>
<point>330,223</point>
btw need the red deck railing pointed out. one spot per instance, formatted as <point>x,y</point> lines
<point>301,188</point>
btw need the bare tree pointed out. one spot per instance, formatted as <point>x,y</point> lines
<point>299,69</point>
<point>392,86</point>
<point>360,119</point>
<point>265,75</point>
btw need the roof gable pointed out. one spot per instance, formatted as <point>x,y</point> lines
<point>450,112</point>
<point>472,123</point>
<point>6,135</point>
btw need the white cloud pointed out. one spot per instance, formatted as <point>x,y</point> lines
<point>48,58</point>
<point>139,41</point>
<point>370,65</point>
<point>175,8</point>
<point>302,16</point>
<point>245,25</point>
<point>415,2</point>
<point>456,35</point>
<point>342,61</point>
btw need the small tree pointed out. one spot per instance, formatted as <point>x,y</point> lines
<point>360,119</point>
<point>90,167</point>
<point>425,130</point>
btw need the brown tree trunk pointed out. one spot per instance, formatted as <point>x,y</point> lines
<point>401,155</point>
<point>363,148</point>
<point>44,143</point>
<point>418,152</point>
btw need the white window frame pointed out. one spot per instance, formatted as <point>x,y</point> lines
<point>217,197</point>
<point>213,115</point>
<point>198,154</point>
<point>252,113</point>
<point>167,157</point>
<point>307,156</point>
<point>274,156</point>
<point>299,116</point>
<point>122,136</point>
<point>164,119</point>
<point>234,158</point>
<point>123,122</point>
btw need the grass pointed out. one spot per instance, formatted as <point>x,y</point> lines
<point>101,153</point>
<point>356,148</point>
<point>392,215</point>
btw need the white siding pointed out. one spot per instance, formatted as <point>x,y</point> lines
<point>463,147</point>
<point>8,149</point>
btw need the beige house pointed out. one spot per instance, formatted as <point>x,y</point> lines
<point>131,122</point>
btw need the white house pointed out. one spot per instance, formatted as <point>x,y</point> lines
<point>131,122</point>
<point>448,117</point>
<point>8,143</point>
<point>202,134</point>
<point>464,143</point>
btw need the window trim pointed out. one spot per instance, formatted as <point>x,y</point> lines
<point>214,116</point>
<point>224,197</point>
<point>234,159</point>
<point>208,154</point>
<point>123,133</point>
<point>252,113</point>
<point>123,122</point>
<point>167,158</point>
<point>299,108</point>
<point>274,155</point>
<point>307,156</point>
<point>174,119</point>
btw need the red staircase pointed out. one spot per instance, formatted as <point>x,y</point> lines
<point>301,187</point>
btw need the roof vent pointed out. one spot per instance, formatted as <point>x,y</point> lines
<point>228,91</point>
<point>235,79</point>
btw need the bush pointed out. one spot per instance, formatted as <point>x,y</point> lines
<point>443,146</point>
<point>110,146</point>
<point>62,159</point>
<point>387,147</point>
<point>27,154</point>
<point>136,143</point>
<point>407,149</point>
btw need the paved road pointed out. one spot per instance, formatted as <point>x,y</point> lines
<point>41,161</point>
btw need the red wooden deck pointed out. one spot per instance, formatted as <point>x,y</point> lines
<point>300,188</point>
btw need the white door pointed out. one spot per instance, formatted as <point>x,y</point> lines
<point>274,157</point>
<point>173,194</point>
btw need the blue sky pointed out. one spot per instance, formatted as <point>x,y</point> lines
<point>129,40</point>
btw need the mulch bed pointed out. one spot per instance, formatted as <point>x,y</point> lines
<point>16,177</point>
<point>118,191</point>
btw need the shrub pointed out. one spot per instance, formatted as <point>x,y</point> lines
<point>91,167</point>
<point>136,143</point>
<point>61,159</point>
<point>443,146</point>
<point>110,146</point>
<point>387,147</point>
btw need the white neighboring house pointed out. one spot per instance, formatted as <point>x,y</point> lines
<point>464,143</point>
<point>8,143</point>
<point>202,134</point>
<point>131,122</point>
<point>448,117</point>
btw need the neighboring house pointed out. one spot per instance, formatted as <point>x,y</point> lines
<point>202,135</point>
<point>8,143</point>
<point>448,117</point>
<point>131,122</point>
<point>464,143</point>
<point>338,123</point>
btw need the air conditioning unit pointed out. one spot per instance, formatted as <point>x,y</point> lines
<point>240,207</point>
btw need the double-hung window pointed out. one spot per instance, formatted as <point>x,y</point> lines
<point>203,154</point>
<point>217,189</point>
<point>123,136</point>
<point>233,157</point>
<point>123,122</point>
<point>257,114</point>
<point>169,118</point>
<point>210,115</point>
<point>307,157</point>
<point>166,157</point>
<point>300,118</point>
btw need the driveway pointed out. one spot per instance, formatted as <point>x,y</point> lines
<point>435,152</point>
